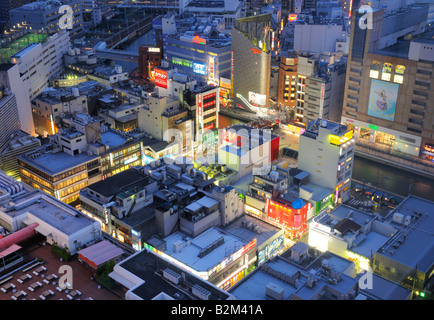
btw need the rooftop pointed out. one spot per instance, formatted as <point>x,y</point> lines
<point>121,182</point>
<point>345,218</point>
<point>189,254</point>
<point>253,287</point>
<point>413,245</point>
<point>48,209</point>
<point>54,163</point>
<point>248,228</point>
<point>112,139</point>
<point>149,267</point>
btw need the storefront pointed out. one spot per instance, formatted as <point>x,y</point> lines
<point>384,138</point>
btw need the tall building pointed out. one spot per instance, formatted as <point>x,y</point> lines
<point>251,61</point>
<point>9,118</point>
<point>326,152</point>
<point>27,72</point>
<point>149,58</point>
<point>46,16</point>
<point>286,89</point>
<point>389,87</point>
<point>5,7</point>
<point>199,49</point>
<point>229,10</point>
<point>319,91</point>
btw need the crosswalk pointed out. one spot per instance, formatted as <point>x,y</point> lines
<point>355,203</point>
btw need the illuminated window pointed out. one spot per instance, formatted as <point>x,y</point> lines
<point>399,74</point>
<point>398,79</point>
<point>387,72</point>
<point>375,69</point>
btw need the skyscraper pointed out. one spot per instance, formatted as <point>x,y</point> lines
<point>389,87</point>
<point>9,118</point>
<point>251,61</point>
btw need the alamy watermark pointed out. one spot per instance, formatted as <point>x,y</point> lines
<point>245,147</point>
<point>66,20</point>
<point>366,20</point>
<point>66,280</point>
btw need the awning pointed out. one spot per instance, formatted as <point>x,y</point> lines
<point>9,250</point>
<point>100,253</point>
<point>122,280</point>
<point>42,231</point>
<point>27,222</point>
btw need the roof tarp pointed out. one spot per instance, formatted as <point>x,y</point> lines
<point>100,253</point>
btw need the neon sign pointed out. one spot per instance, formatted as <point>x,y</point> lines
<point>199,40</point>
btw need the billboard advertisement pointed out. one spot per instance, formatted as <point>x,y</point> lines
<point>382,99</point>
<point>256,98</point>
<point>160,78</point>
<point>199,68</point>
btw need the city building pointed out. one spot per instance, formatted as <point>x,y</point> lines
<point>150,275</point>
<point>383,289</point>
<point>199,49</point>
<point>263,187</point>
<point>351,234</point>
<point>247,150</point>
<point>319,35</point>
<point>28,62</point>
<point>251,62</point>
<point>226,9</point>
<point>20,143</point>
<point>59,223</point>
<point>287,83</point>
<point>270,240</point>
<point>406,258</point>
<point>281,279</point>
<point>319,94</point>
<point>9,117</point>
<point>121,205</point>
<point>207,115</point>
<point>326,152</point>
<point>214,255</point>
<point>149,58</point>
<point>46,16</point>
<point>122,118</point>
<point>53,104</point>
<point>389,86</point>
<point>166,119</point>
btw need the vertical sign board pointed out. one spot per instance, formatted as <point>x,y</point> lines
<point>321,102</point>
<point>211,68</point>
<point>199,110</point>
<point>232,73</point>
<point>160,78</point>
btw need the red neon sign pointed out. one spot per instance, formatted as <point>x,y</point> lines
<point>160,78</point>
<point>256,51</point>
<point>199,40</point>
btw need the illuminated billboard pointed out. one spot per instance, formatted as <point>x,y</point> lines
<point>382,99</point>
<point>199,68</point>
<point>256,98</point>
<point>160,78</point>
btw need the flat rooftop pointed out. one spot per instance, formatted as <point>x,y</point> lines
<point>112,139</point>
<point>54,163</point>
<point>342,212</point>
<point>383,289</point>
<point>239,229</point>
<point>189,255</point>
<point>413,246</point>
<point>121,182</point>
<point>50,210</point>
<point>149,267</point>
<point>253,287</point>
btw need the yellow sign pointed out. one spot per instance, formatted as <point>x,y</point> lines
<point>339,140</point>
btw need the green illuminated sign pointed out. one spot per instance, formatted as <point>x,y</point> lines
<point>371,126</point>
